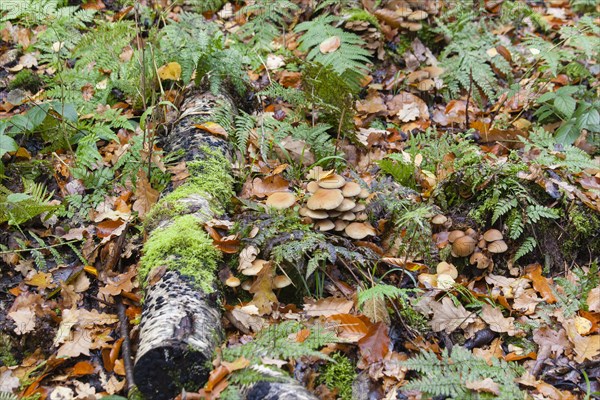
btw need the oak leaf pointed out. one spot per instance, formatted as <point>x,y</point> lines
<point>375,344</point>
<point>448,317</point>
<point>327,307</point>
<point>498,323</point>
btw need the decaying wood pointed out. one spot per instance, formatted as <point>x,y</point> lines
<point>278,391</point>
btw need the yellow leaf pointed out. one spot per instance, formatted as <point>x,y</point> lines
<point>330,45</point>
<point>170,71</point>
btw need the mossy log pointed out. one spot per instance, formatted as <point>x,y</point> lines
<point>181,320</point>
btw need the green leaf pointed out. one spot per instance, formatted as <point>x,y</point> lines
<point>17,197</point>
<point>546,97</point>
<point>567,134</point>
<point>7,144</point>
<point>565,105</point>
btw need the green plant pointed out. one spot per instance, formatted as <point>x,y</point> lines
<point>349,61</point>
<point>451,375</point>
<point>574,293</point>
<point>268,19</point>
<point>7,396</point>
<point>400,169</point>
<point>17,208</point>
<point>339,375</point>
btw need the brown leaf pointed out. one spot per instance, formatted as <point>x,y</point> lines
<point>375,344</point>
<point>498,323</point>
<point>269,185</point>
<point>350,327</point>
<point>486,386</point>
<point>262,289</point>
<point>327,307</point>
<point>145,195</point>
<point>586,347</point>
<point>330,45</point>
<point>214,128</point>
<point>540,283</point>
<point>448,317</point>
<point>118,284</point>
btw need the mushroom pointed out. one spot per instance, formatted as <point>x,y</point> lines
<point>445,282</point>
<point>359,230</point>
<point>447,269</point>
<point>340,225</point>
<point>358,208</point>
<point>348,216</point>
<point>312,186</point>
<point>346,205</point>
<point>480,259</point>
<point>324,225</point>
<point>498,246</point>
<point>314,214</point>
<point>281,200</point>
<point>257,266</point>
<point>281,281</point>
<point>247,285</point>
<point>351,189</point>
<point>428,280</point>
<point>334,181</point>
<point>471,232</point>
<point>463,246</point>
<point>364,193</point>
<point>439,219</point>
<point>418,15</point>
<point>492,235</point>
<point>325,199</point>
<point>233,282</point>
<point>452,236</point>
<point>361,216</point>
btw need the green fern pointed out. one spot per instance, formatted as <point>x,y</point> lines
<point>447,376</point>
<point>317,136</point>
<point>268,19</point>
<point>574,294</point>
<point>402,171</point>
<point>18,208</point>
<point>7,396</point>
<point>526,247</point>
<point>349,60</point>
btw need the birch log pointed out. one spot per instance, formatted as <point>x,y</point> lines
<point>180,325</point>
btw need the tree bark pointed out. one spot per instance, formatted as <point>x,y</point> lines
<point>181,326</point>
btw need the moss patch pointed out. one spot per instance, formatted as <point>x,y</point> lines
<point>210,177</point>
<point>339,375</point>
<point>26,80</point>
<point>182,246</point>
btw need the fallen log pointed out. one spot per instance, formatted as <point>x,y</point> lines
<point>181,326</point>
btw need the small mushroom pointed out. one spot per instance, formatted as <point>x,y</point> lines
<point>359,230</point>
<point>348,216</point>
<point>480,259</point>
<point>464,246</point>
<point>492,235</point>
<point>428,280</point>
<point>452,236</point>
<point>324,225</point>
<point>281,200</point>
<point>498,246</point>
<point>448,269</point>
<point>257,266</point>
<point>247,285</point>
<point>312,186</point>
<point>314,214</point>
<point>471,232</point>
<point>346,205</point>
<point>362,216</point>
<point>445,282</point>
<point>358,208</point>
<point>325,199</point>
<point>334,181</point>
<point>340,225</point>
<point>351,189</point>
<point>281,281</point>
<point>418,15</point>
<point>439,219</point>
<point>233,282</point>
<point>364,193</point>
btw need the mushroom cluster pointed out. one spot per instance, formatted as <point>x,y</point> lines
<point>252,266</point>
<point>469,243</point>
<point>444,278</point>
<point>336,204</point>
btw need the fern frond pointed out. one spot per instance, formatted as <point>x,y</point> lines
<point>526,247</point>
<point>17,208</point>
<point>382,291</point>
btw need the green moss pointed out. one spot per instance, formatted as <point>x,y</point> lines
<point>27,80</point>
<point>183,246</point>
<point>339,375</point>
<point>6,356</point>
<point>210,176</point>
<point>583,228</point>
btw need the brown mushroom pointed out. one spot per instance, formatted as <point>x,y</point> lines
<point>480,259</point>
<point>418,15</point>
<point>257,266</point>
<point>346,205</point>
<point>464,246</point>
<point>314,214</point>
<point>351,189</point>
<point>324,225</point>
<point>452,236</point>
<point>364,193</point>
<point>340,225</point>
<point>281,281</point>
<point>358,208</point>
<point>334,181</point>
<point>247,284</point>
<point>325,199</point>
<point>448,269</point>
<point>498,246</point>
<point>281,200</point>
<point>233,281</point>
<point>362,216</point>
<point>492,235</point>
<point>439,219</point>
<point>472,232</point>
<point>359,230</point>
<point>312,186</point>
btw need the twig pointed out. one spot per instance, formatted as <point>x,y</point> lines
<point>126,347</point>
<point>468,98</point>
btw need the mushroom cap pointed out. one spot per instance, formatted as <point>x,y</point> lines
<point>445,281</point>
<point>334,181</point>
<point>439,219</point>
<point>351,189</point>
<point>233,281</point>
<point>340,225</point>
<point>428,280</point>
<point>348,216</point>
<point>325,199</point>
<point>314,214</point>
<point>418,15</point>
<point>362,216</point>
<point>498,246</point>
<point>453,235</point>
<point>464,246</point>
<point>281,281</point>
<point>364,193</point>
<point>312,186</point>
<point>281,200</point>
<point>257,266</point>
<point>359,230</point>
<point>359,207</point>
<point>247,284</point>
<point>472,232</point>
<point>324,225</point>
<point>480,259</point>
<point>447,269</point>
<point>492,235</point>
<point>346,205</point>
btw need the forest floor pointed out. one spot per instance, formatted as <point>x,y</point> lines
<point>418,192</point>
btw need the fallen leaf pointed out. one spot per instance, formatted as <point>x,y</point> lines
<point>540,283</point>
<point>8,382</point>
<point>486,386</point>
<point>448,317</point>
<point>145,195</point>
<point>262,289</point>
<point>214,128</point>
<point>375,344</point>
<point>498,323</point>
<point>350,327</point>
<point>327,307</point>
<point>24,320</point>
<point>330,45</point>
<point>170,71</point>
